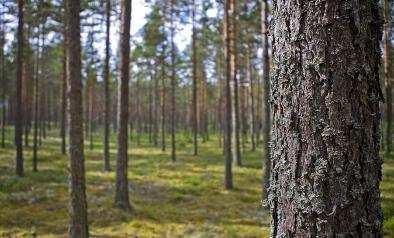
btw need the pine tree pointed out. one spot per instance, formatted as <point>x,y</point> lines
<point>326,167</point>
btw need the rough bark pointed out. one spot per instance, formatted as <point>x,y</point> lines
<point>18,107</point>
<point>122,188</point>
<point>387,81</point>
<point>326,167</point>
<point>230,62</point>
<point>107,99</point>
<point>78,226</point>
<point>265,99</point>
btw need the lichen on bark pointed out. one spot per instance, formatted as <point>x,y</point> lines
<point>325,87</point>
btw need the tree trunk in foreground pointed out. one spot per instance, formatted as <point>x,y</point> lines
<point>122,188</point>
<point>326,168</point>
<point>18,109</point>
<point>78,207</point>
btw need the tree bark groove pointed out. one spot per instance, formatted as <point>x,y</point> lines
<point>326,167</point>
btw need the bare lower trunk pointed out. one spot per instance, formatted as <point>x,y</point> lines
<point>107,98</point>
<point>36,97</point>
<point>194,99</point>
<point>326,168</point>
<point>163,102</point>
<point>18,110</point>
<point>78,207</point>
<point>122,187</point>
<point>230,62</point>
<point>64,99</point>
<point>252,101</point>
<point>173,83</point>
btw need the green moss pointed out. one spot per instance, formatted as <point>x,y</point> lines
<point>182,199</point>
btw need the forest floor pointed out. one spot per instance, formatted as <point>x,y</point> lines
<point>181,199</point>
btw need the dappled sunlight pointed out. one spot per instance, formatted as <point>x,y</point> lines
<point>185,198</point>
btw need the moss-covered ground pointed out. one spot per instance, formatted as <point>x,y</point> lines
<point>181,199</point>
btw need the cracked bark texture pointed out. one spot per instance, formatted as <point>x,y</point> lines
<point>78,226</point>
<point>122,187</point>
<point>325,87</point>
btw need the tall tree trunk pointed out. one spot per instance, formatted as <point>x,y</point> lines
<point>36,98</point>
<point>230,63</point>
<point>64,97</point>
<point>156,102</point>
<point>78,207</point>
<point>138,111</point>
<point>107,98</point>
<point>387,81</point>
<point>150,106</point>
<point>249,79</point>
<point>18,110</point>
<point>326,168</point>
<point>235,97</point>
<point>90,110</point>
<point>194,99</point>
<point>26,83</point>
<point>163,101</point>
<point>122,188</point>
<point>173,82</point>
<point>265,99</point>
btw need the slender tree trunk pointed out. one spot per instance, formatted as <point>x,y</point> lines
<point>265,99</point>
<point>18,110</point>
<point>78,207</point>
<point>64,98</point>
<point>4,87</point>
<point>156,102</point>
<point>235,97</point>
<point>252,100</point>
<point>163,101</point>
<point>36,98</point>
<point>26,88</point>
<point>194,99</point>
<point>150,106</point>
<point>91,106</point>
<point>230,63</point>
<point>173,83</point>
<point>107,98</point>
<point>122,188</point>
<point>326,167</point>
<point>138,113</point>
<point>387,81</point>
